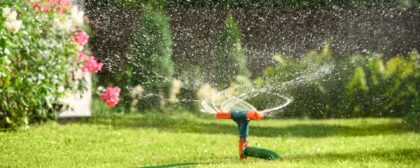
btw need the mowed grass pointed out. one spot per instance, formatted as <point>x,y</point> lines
<point>192,141</point>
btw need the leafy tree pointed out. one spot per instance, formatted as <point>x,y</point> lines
<point>150,62</point>
<point>230,59</point>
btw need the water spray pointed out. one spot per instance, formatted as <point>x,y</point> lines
<point>240,111</point>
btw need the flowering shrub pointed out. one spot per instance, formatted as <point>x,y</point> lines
<point>81,38</point>
<point>42,45</point>
<point>91,65</point>
<point>111,96</point>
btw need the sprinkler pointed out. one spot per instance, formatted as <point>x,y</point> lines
<point>242,118</point>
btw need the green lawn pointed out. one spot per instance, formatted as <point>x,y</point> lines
<point>187,140</point>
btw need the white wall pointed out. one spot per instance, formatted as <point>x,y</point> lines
<point>80,104</point>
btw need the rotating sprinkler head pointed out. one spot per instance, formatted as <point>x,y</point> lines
<point>242,118</point>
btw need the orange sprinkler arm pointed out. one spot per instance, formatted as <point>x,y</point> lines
<point>254,115</point>
<point>250,115</point>
<point>223,115</point>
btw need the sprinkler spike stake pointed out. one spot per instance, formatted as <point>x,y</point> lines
<point>242,119</point>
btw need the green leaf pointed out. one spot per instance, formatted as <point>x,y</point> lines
<point>358,81</point>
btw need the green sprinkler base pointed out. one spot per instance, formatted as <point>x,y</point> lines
<point>261,153</point>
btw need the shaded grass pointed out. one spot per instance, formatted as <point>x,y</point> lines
<point>267,128</point>
<point>189,141</point>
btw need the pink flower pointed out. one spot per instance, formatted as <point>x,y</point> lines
<point>81,55</point>
<point>91,65</point>
<point>51,5</point>
<point>81,38</point>
<point>111,96</point>
<point>64,5</point>
<point>112,102</point>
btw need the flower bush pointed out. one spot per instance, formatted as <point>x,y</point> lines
<point>42,46</point>
<point>91,65</point>
<point>111,96</point>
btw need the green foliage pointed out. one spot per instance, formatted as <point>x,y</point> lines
<point>35,66</point>
<point>412,119</point>
<point>358,80</point>
<point>150,63</point>
<point>386,87</point>
<point>392,88</point>
<point>229,60</point>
